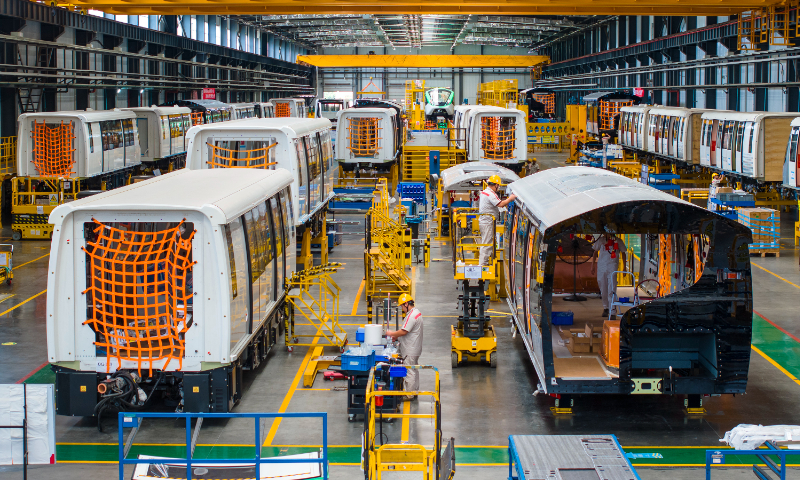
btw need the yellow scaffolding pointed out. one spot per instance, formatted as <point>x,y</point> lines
<point>382,457</point>
<point>415,101</point>
<point>317,301</point>
<point>388,253</point>
<point>498,93</point>
<point>8,155</point>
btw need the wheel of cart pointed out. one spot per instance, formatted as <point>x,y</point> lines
<point>6,269</point>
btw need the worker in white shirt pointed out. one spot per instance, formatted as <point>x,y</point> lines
<point>410,338</point>
<point>605,262</point>
<point>490,202</point>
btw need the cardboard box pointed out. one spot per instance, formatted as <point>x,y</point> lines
<point>724,190</point>
<point>585,340</point>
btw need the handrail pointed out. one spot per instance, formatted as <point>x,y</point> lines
<point>190,440</point>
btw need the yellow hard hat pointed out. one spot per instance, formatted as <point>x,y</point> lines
<point>404,298</point>
<point>494,179</point>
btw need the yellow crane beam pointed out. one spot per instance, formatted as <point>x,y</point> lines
<point>423,61</point>
<point>440,7</point>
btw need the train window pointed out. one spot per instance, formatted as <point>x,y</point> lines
<point>314,167</point>
<point>91,136</point>
<point>241,153</point>
<point>511,235</point>
<point>750,144</point>
<point>519,263</point>
<point>240,297</point>
<point>260,250</point>
<point>111,131</point>
<point>279,230</point>
<point>286,208</point>
<point>792,153</point>
<point>535,278</point>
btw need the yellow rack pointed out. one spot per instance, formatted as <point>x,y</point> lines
<point>317,301</point>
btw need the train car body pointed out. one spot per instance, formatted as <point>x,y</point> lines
<point>368,136</point>
<point>205,111</point>
<point>265,110</point>
<point>439,102</point>
<point>162,135</point>
<point>301,146</point>
<point>686,328</point>
<point>748,145</point>
<point>603,111</point>
<point>540,102</point>
<point>242,111</point>
<point>633,126</point>
<point>380,103</point>
<point>90,144</point>
<point>495,134</point>
<point>791,163</point>
<point>289,107</point>
<point>329,108</point>
<point>197,298</point>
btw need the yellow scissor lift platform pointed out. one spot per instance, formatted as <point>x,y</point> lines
<point>473,339</point>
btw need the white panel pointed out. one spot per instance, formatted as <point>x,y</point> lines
<point>37,402</point>
<point>776,100</point>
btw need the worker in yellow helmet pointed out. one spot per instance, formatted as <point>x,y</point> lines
<point>410,338</point>
<point>490,203</point>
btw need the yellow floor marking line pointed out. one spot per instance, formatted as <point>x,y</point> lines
<point>355,303</point>
<point>406,422</point>
<point>23,302</point>
<point>288,398</point>
<point>314,390</point>
<point>775,364</point>
<point>775,274</point>
<point>20,266</point>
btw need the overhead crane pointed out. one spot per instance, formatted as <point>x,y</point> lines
<point>440,7</point>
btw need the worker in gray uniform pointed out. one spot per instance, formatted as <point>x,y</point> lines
<point>410,338</point>
<point>489,202</point>
<point>609,249</point>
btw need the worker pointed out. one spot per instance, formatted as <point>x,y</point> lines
<point>606,137</point>
<point>609,248</point>
<point>490,203</point>
<point>716,180</point>
<point>410,338</point>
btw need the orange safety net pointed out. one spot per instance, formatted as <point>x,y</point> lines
<point>238,158</point>
<point>609,109</point>
<point>197,118</point>
<point>498,136</point>
<point>548,100</point>
<point>665,264</point>
<point>53,151</point>
<point>363,136</point>
<point>139,294</point>
<point>283,109</point>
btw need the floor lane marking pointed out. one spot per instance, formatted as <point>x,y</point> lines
<point>776,326</point>
<point>775,364</point>
<point>355,303</point>
<point>23,302</point>
<point>20,266</point>
<point>773,273</point>
<point>288,398</point>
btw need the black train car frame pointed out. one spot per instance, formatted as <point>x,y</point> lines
<point>692,341</point>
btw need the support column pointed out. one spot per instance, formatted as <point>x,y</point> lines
<point>212,29</point>
<point>201,28</point>
<point>234,33</point>
<point>224,33</point>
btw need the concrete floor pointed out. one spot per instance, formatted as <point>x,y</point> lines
<point>480,406</point>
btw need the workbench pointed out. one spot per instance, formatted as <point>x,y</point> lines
<point>568,457</point>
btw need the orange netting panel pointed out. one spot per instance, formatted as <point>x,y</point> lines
<point>283,110</point>
<point>363,136</point>
<point>197,118</point>
<point>498,135</point>
<point>548,100</point>
<point>229,158</point>
<point>609,109</point>
<point>140,289</point>
<point>53,151</point>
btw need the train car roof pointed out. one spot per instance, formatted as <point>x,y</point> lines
<point>297,125</point>
<point>559,194</point>
<point>222,194</point>
<point>596,97</point>
<point>387,111</point>
<point>286,99</point>
<point>676,111</point>
<point>637,108</point>
<point>203,103</point>
<point>796,122</point>
<point>492,108</point>
<point>161,110</point>
<point>463,177</point>
<point>243,104</point>
<point>85,115</point>
<point>743,116</point>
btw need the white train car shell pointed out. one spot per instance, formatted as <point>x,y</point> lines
<point>243,110</point>
<point>751,145</point>
<point>289,107</point>
<point>97,143</point>
<point>162,131</point>
<point>633,126</point>
<point>367,135</point>
<point>265,110</point>
<point>496,134</point>
<point>675,132</point>
<point>791,163</point>
<point>302,146</point>
<point>228,229</point>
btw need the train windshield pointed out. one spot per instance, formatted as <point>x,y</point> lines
<point>440,97</point>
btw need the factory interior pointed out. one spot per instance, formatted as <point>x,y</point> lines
<point>595,204</point>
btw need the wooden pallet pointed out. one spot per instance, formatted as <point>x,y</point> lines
<point>765,253</point>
